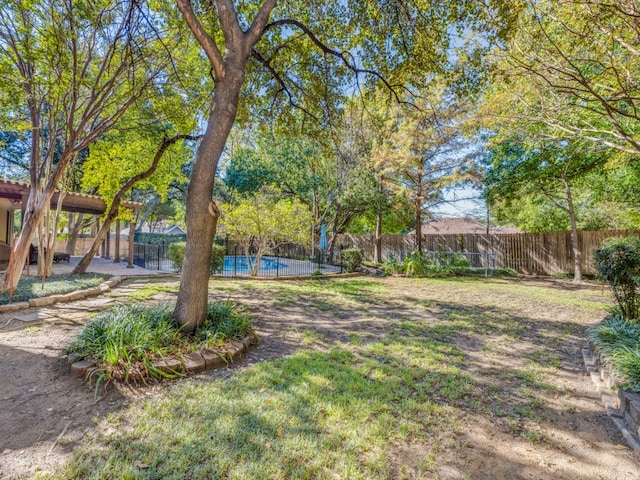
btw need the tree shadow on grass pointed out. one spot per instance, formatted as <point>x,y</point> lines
<point>318,414</point>
<point>419,383</point>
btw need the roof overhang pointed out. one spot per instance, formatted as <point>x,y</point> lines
<point>16,192</point>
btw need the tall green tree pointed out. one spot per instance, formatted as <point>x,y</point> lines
<point>265,222</point>
<point>114,169</point>
<point>549,169</point>
<point>70,70</point>
<point>308,56</point>
<point>425,150</point>
<point>573,66</point>
<point>331,180</point>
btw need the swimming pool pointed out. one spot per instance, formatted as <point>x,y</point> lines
<point>242,265</point>
<point>272,266</point>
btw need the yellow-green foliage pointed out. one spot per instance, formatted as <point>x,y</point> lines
<point>120,155</point>
<point>267,219</point>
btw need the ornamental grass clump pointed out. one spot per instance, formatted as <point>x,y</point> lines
<point>617,340</point>
<point>127,339</point>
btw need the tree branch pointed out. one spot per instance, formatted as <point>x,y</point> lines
<point>204,39</point>
<point>259,22</point>
<point>342,56</point>
<point>255,54</point>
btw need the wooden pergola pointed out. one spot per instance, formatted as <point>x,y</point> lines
<point>18,193</point>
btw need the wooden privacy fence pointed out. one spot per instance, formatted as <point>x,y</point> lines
<point>529,253</point>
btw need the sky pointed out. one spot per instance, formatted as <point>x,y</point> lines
<point>462,202</point>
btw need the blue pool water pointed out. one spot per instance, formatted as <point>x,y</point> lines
<point>242,264</point>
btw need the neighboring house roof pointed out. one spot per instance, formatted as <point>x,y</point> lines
<point>456,226</point>
<point>174,230</point>
<point>71,202</point>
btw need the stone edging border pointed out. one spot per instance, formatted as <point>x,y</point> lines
<point>65,297</point>
<point>204,359</point>
<point>622,407</point>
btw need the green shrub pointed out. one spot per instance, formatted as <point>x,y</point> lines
<point>217,258</point>
<point>418,264</point>
<point>175,252</point>
<point>352,258</point>
<point>618,341</point>
<point>459,261</point>
<point>393,266</point>
<point>618,264</point>
<point>130,336</point>
<point>129,333</point>
<point>223,322</point>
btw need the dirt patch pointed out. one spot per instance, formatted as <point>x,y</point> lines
<point>44,412</point>
<point>533,412</point>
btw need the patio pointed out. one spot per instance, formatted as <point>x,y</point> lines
<point>97,265</point>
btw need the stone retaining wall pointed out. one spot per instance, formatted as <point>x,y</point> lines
<point>622,407</point>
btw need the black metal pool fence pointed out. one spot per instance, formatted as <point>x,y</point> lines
<point>285,260</point>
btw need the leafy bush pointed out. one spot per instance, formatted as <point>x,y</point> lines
<point>618,263</point>
<point>129,336</point>
<point>618,341</point>
<point>393,266</point>
<point>458,261</point>
<point>419,264</point>
<point>223,322</point>
<point>352,258</point>
<point>175,252</point>
<point>216,264</point>
<point>129,333</point>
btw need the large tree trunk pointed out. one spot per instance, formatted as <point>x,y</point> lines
<point>418,228</point>
<point>20,250</point>
<point>201,213</point>
<point>30,217</point>
<point>81,267</point>
<point>74,230</point>
<point>377,255</point>
<point>577,269</point>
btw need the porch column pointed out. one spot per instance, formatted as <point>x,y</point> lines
<point>107,241</point>
<point>116,254</point>
<point>102,249</point>
<point>23,207</point>
<point>132,231</point>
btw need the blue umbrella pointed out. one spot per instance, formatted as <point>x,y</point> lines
<point>323,237</point>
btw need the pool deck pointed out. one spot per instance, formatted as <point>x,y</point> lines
<point>98,265</point>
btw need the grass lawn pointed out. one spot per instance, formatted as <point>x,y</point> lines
<point>31,287</point>
<point>372,378</point>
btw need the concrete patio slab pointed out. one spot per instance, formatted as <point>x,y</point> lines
<point>104,266</point>
<point>31,317</point>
